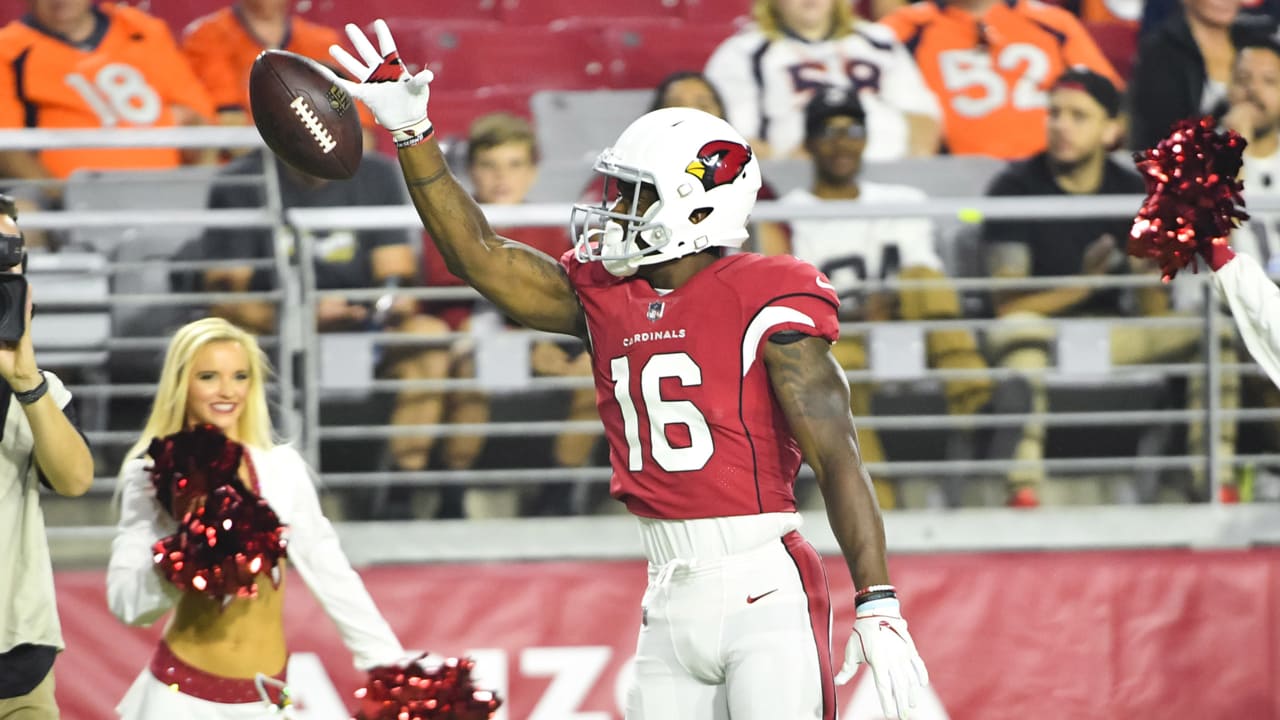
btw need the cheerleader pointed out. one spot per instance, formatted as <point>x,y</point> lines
<point>213,646</point>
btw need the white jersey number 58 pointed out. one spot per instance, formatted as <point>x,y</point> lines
<point>662,413</point>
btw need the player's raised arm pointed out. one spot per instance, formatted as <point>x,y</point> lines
<point>814,394</point>
<point>525,284</point>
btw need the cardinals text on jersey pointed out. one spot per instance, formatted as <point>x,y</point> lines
<point>692,424</point>
<point>766,84</point>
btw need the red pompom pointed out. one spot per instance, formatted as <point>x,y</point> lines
<point>226,535</point>
<point>1193,194</point>
<point>188,465</point>
<point>434,691</point>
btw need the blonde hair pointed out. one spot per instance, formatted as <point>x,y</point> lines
<point>765,13</point>
<point>169,411</point>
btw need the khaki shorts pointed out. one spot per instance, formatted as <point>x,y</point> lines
<point>35,705</point>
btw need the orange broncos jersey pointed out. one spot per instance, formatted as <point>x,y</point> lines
<point>128,74</point>
<point>991,73</point>
<point>221,49</point>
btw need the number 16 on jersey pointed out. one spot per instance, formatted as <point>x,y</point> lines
<point>661,412</point>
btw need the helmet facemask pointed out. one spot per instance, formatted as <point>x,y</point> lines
<point>622,241</point>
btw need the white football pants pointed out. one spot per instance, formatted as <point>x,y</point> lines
<point>744,636</point>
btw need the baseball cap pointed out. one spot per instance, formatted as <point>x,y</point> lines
<point>828,103</point>
<point>1096,86</point>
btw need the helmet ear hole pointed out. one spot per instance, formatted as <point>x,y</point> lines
<point>700,214</point>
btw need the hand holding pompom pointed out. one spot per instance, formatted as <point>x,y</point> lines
<point>187,466</point>
<point>227,535</point>
<point>425,689</point>
<point>1193,195</point>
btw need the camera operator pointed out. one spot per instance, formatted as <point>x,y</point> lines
<point>39,445</point>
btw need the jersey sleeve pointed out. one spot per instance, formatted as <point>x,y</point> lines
<point>11,110</point>
<point>317,555</point>
<point>137,593</point>
<point>207,55</point>
<point>171,74</point>
<point>729,70</point>
<point>903,87</point>
<point>582,275</point>
<point>1255,304</point>
<point>797,299</point>
<point>900,23</point>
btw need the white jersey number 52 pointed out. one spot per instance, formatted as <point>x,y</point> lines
<point>662,413</point>
<point>978,88</point>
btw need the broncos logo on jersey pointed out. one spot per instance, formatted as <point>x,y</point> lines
<point>719,162</point>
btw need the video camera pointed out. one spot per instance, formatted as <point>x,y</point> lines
<point>13,289</point>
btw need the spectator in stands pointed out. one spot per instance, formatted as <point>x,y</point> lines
<point>1084,109</point>
<point>769,70</point>
<point>502,162</point>
<point>222,46</point>
<point>686,88</point>
<point>853,251</point>
<point>1183,69</point>
<point>1253,110</point>
<point>76,64</point>
<point>990,64</point>
<point>344,259</point>
<point>1256,13</point>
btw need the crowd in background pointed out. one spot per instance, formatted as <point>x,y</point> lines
<point>1054,90</point>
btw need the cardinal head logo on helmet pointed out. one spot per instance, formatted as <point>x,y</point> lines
<point>719,162</point>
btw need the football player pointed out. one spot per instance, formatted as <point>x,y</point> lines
<point>714,375</point>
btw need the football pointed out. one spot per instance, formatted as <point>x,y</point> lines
<point>306,119</point>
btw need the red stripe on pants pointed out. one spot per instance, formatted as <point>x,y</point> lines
<point>814,579</point>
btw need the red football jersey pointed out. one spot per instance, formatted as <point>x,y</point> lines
<point>693,427</point>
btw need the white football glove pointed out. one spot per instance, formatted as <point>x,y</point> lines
<point>397,99</point>
<point>880,639</point>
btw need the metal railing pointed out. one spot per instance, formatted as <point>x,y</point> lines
<point>297,296</point>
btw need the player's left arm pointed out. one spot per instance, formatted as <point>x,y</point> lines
<point>814,395</point>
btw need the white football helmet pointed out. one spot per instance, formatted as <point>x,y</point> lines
<point>695,161</point>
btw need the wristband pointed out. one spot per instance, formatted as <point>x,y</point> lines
<point>1218,254</point>
<point>34,394</point>
<point>409,136</point>
<point>873,593</point>
<point>883,606</point>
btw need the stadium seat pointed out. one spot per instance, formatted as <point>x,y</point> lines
<point>470,55</point>
<point>183,189</point>
<point>642,53</point>
<point>716,12</point>
<point>453,111</point>
<point>532,12</point>
<point>337,13</point>
<point>74,322</point>
<point>1119,42</point>
<point>177,14</point>
<point>573,126</point>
